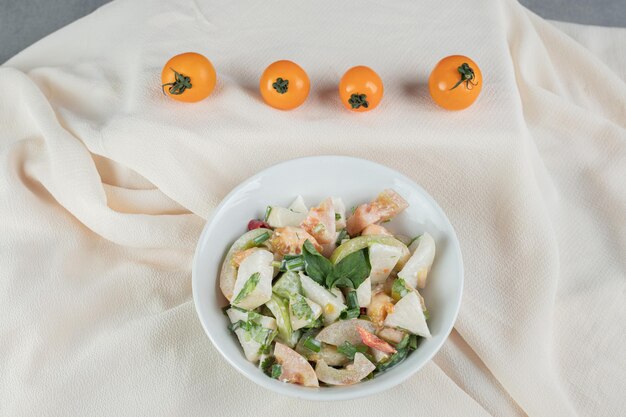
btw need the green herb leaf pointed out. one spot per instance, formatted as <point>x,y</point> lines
<point>300,308</point>
<point>399,289</point>
<point>351,271</point>
<point>277,369</point>
<point>248,287</point>
<point>337,216</point>
<point>349,350</point>
<point>317,267</point>
<point>350,314</point>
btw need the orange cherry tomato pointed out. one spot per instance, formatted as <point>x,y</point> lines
<point>284,85</point>
<point>188,77</point>
<point>455,82</point>
<point>360,89</point>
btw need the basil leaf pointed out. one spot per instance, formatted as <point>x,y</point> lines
<point>316,266</point>
<point>351,271</point>
<point>248,287</point>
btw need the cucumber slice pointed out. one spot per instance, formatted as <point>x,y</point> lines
<point>280,309</point>
<point>361,242</point>
<point>288,285</point>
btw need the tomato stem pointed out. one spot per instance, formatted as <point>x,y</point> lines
<point>358,100</point>
<point>180,84</point>
<point>281,86</point>
<point>467,77</point>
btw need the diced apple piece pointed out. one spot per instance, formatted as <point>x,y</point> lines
<point>260,262</point>
<point>345,331</point>
<point>383,258</point>
<point>298,205</point>
<point>228,274</point>
<point>409,315</point>
<point>416,270</point>
<point>331,305</point>
<point>295,368</point>
<point>351,374</point>
<point>364,293</point>
<point>283,217</point>
<point>320,222</point>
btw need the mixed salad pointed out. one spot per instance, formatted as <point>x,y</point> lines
<point>320,297</point>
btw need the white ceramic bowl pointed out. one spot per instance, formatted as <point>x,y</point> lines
<point>355,181</point>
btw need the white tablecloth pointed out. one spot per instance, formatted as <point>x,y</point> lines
<point>106,184</point>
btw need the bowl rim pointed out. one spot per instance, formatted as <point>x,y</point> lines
<point>357,390</point>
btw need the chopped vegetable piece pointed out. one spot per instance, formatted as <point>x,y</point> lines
<point>374,341</point>
<point>317,267</point>
<point>248,287</point>
<point>257,224</point>
<point>399,289</point>
<point>351,374</point>
<point>295,368</point>
<point>350,350</point>
<point>313,344</point>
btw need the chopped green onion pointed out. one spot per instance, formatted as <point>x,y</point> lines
<point>351,313</point>
<point>337,216</point>
<point>293,264</point>
<point>342,235</point>
<point>399,289</point>
<point>403,343</point>
<point>352,299</point>
<point>261,238</point>
<point>412,342</point>
<point>349,350</point>
<point>312,344</point>
<point>268,210</point>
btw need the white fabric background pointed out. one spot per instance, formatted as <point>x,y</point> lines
<point>106,183</point>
